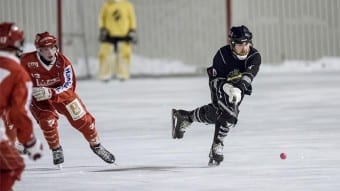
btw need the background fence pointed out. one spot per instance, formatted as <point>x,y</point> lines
<point>291,29</point>
<point>189,30</point>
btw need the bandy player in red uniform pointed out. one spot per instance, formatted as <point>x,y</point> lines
<point>54,85</point>
<point>15,96</point>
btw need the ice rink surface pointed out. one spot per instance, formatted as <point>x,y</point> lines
<point>295,113</point>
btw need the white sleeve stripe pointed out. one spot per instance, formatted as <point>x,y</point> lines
<point>245,63</point>
<point>226,108</point>
<point>222,56</point>
<point>68,81</point>
<point>247,79</point>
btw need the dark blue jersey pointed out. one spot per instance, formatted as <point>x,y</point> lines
<point>227,68</point>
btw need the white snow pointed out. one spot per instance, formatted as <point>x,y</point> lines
<point>143,66</point>
<point>292,110</point>
<point>157,67</point>
<point>323,64</point>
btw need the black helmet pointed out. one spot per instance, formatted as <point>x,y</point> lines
<point>239,35</point>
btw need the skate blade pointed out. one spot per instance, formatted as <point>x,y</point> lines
<point>173,118</point>
<point>213,163</point>
<point>59,166</point>
<point>110,161</point>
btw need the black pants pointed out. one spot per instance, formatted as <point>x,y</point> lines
<point>220,111</point>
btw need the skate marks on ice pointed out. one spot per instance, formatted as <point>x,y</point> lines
<point>111,168</point>
<point>151,168</point>
<point>65,170</point>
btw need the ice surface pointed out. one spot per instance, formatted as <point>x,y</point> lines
<point>296,113</point>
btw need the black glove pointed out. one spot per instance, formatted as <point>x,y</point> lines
<point>103,34</point>
<point>132,36</point>
<point>244,86</point>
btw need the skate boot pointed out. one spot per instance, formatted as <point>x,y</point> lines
<point>104,154</point>
<point>58,156</point>
<point>180,121</point>
<point>216,154</point>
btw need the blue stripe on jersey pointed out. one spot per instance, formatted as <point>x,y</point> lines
<point>68,76</point>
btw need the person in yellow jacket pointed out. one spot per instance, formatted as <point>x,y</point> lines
<point>117,22</point>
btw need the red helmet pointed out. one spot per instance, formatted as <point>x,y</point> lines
<point>11,36</point>
<point>45,39</point>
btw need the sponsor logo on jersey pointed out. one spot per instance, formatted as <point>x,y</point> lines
<point>68,80</point>
<point>47,83</point>
<point>58,64</point>
<point>214,72</point>
<point>32,65</point>
<point>36,75</point>
<point>68,75</point>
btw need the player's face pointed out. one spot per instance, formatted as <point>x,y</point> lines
<point>242,49</point>
<point>48,53</point>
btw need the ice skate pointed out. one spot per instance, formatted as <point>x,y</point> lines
<point>58,157</point>
<point>216,154</point>
<point>180,121</point>
<point>104,154</point>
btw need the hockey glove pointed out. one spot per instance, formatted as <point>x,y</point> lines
<point>245,86</point>
<point>233,93</point>
<point>34,149</point>
<point>103,34</point>
<point>132,36</point>
<point>42,93</point>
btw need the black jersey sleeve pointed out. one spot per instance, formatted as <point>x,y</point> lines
<point>216,70</point>
<point>217,75</point>
<point>252,66</point>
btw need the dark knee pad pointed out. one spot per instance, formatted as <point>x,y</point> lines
<point>226,118</point>
<point>206,114</point>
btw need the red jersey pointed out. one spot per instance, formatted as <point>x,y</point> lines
<point>58,75</point>
<point>15,97</point>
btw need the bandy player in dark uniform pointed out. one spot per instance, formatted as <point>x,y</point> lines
<point>230,78</point>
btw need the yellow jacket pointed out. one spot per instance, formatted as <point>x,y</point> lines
<point>118,18</point>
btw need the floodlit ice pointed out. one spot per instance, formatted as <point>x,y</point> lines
<point>292,112</point>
